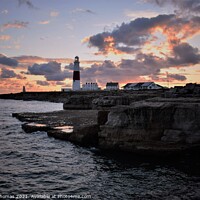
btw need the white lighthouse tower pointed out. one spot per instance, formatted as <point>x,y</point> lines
<point>76,75</point>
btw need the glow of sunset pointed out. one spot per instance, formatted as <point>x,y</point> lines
<point>39,40</point>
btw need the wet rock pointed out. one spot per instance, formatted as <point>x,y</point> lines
<point>59,134</point>
<point>85,136</point>
<point>33,127</point>
<point>77,126</point>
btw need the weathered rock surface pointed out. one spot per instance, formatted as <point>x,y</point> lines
<point>79,102</point>
<point>84,135</point>
<point>78,126</point>
<point>152,126</point>
<point>109,101</point>
<point>189,90</point>
<point>33,127</point>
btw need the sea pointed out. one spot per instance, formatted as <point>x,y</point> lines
<point>35,166</point>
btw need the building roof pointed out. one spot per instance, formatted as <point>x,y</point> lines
<point>112,84</point>
<point>159,85</point>
<point>146,84</point>
<point>128,84</point>
<point>139,85</point>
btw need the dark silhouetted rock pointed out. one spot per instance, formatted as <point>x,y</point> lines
<point>33,127</point>
<point>189,90</point>
<point>79,102</point>
<point>102,117</point>
<point>157,126</point>
<point>110,101</point>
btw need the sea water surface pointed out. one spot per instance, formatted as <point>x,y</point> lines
<point>35,164</point>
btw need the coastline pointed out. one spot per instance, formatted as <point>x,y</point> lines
<point>150,127</point>
<point>150,122</point>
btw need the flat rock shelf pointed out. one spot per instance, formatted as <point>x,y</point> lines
<point>77,126</point>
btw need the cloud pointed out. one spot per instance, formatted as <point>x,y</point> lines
<point>129,38</point>
<point>144,65</point>
<point>185,54</point>
<point>44,22</point>
<point>5,12</point>
<point>177,77</point>
<point>16,24</point>
<point>81,10</point>
<point>140,13</point>
<point>54,13</point>
<point>130,35</point>
<point>30,60</point>
<point>181,5</point>
<point>70,66</point>
<point>6,73</point>
<point>51,71</point>
<point>8,61</point>
<point>5,37</point>
<point>60,83</point>
<point>42,83</point>
<point>127,69</point>
<point>28,3</point>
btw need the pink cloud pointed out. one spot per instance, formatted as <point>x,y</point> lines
<point>16,24</point>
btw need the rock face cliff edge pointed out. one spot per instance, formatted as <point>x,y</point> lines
<point>153,126</point>
<point>161,126</point>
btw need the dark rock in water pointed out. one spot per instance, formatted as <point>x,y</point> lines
<point>59,134</point>
<point>78,126</point>
<point>86,136</point>
<point>33,127</point>
<point>156,126</point>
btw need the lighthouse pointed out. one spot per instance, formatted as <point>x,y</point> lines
<point>76,75</point>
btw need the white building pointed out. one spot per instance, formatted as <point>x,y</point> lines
<point>112,86</point>
<point>90,87</point>
<point>142,86</point>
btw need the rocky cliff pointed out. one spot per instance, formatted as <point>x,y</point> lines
<point>189,90</point>
<point>153,126</point>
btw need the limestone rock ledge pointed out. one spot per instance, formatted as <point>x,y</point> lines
<point>77,126</point>
<point>153,126</point>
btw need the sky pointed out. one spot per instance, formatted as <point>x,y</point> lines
<point>123,41</point>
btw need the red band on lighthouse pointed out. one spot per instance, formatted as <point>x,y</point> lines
<point>76,75</point>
